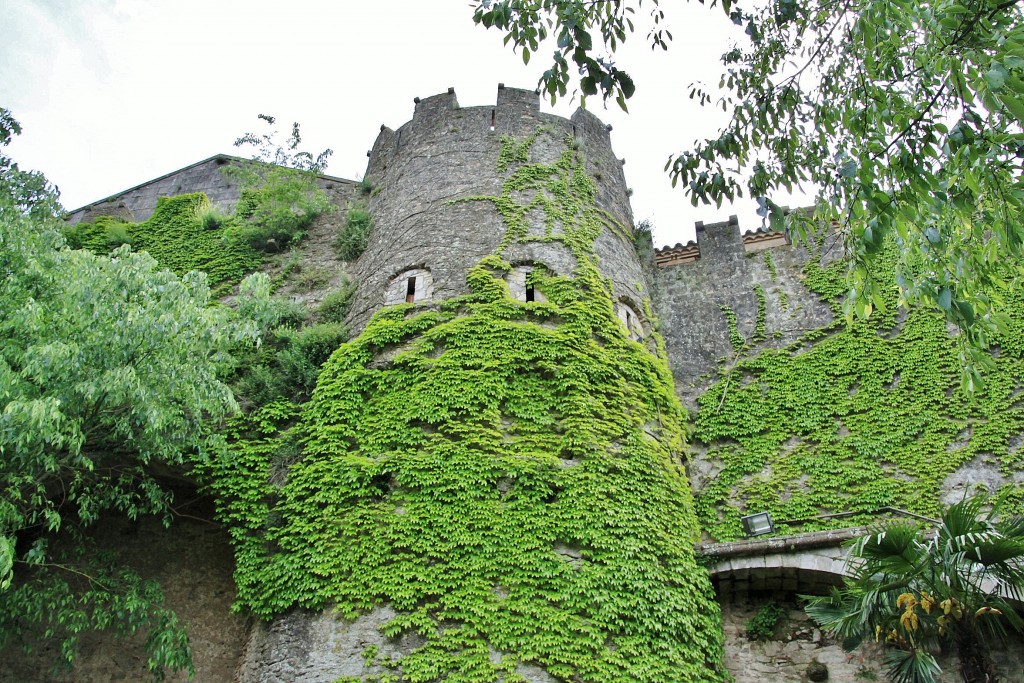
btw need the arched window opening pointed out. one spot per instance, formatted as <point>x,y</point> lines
<point>631,321</point>
<point>410,286</point>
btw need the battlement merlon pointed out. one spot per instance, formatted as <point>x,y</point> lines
<point>720,241</point>
<point>510,99</point>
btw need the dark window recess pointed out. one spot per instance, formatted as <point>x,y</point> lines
<point>632,327</point>
<point>529,292</point>
<point>410,290</point>
<point>492,119</point>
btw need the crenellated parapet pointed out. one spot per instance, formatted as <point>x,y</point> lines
<point>730,288</point>
<point>720,241</point>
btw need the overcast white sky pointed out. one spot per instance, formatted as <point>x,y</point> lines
<point>112,93</point>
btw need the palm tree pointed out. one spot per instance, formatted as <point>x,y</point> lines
<point>920,589</point>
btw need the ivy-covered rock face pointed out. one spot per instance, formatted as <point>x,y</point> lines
<point>501,476</point>
<point>177,237</point>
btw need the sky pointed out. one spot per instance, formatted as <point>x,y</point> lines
<point>112,93</point>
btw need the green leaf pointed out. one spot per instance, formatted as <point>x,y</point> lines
<point>996,76</point>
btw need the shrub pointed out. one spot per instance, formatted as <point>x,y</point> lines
<point>209,216</point>
<point>336,304</point>
<point>117,234</point>
<point>277,205</point>
<point>289,364</point>
<point>354,234</point>
<point>643,239</point>
<point>309,279</point>
<point>75,235</point>
<point>762,626</point>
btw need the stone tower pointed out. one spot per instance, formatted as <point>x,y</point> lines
<point>487,484</point>
<point>447,152</point>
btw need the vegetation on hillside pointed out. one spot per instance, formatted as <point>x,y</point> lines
<point>110,368</point>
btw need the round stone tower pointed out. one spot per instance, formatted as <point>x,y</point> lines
<point>448,153</point>
<point>486,485</point>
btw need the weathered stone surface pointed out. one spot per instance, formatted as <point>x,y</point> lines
<point>137,203</point>
<point>320,647</point>
<point>193,562</point>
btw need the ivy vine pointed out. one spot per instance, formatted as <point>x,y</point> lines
<point>859,417</point>
<point>178,238</point>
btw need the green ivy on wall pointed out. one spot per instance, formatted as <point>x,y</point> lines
<point>502,474</point>
<point>178,238</point>
<point>857,418</point>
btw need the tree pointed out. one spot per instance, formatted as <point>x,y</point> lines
<point>917,589</point>
<point>903,116</point>
<point>280,196</point>
<point>109,368</point>
<point>27,191</point>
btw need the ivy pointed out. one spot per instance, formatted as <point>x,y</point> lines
<point>179,236</point>
<point>769,263</point>
<point>761,322</point>
<point>858,417</point>
<point>502,474</point>
<point>736,339</point>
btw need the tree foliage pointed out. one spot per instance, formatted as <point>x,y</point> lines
<point>903,116</point>
<point>109,368</point>
<point>918,588</point>
<point>26,191</point>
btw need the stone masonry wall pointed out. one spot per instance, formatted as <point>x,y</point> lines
<point>688,301</point>
<point>193,562</point>
<point>136,204</point>
<point>799,652</point>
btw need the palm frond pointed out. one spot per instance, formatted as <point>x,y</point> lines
<point>911,666</point>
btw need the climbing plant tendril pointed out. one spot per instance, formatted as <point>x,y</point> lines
<point>503,475</point>
<point>857,418</point>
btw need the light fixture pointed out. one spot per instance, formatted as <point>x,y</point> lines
<point>757,524</point>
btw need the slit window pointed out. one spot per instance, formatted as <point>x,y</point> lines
<point>521,286</point>
<point>631,321</point>
<point>492,119</point>
<point>411,286</point>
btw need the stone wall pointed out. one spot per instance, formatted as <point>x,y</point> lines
<point>193,562</point>
<point>798,651</point>
<point>136,204</point>
<point>688,300</point>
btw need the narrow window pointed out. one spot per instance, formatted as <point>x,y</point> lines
<point>492,119</point>
<point>529,292</point>
<point>410,290</point>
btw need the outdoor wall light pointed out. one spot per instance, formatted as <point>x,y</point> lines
<point>757,524</point>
